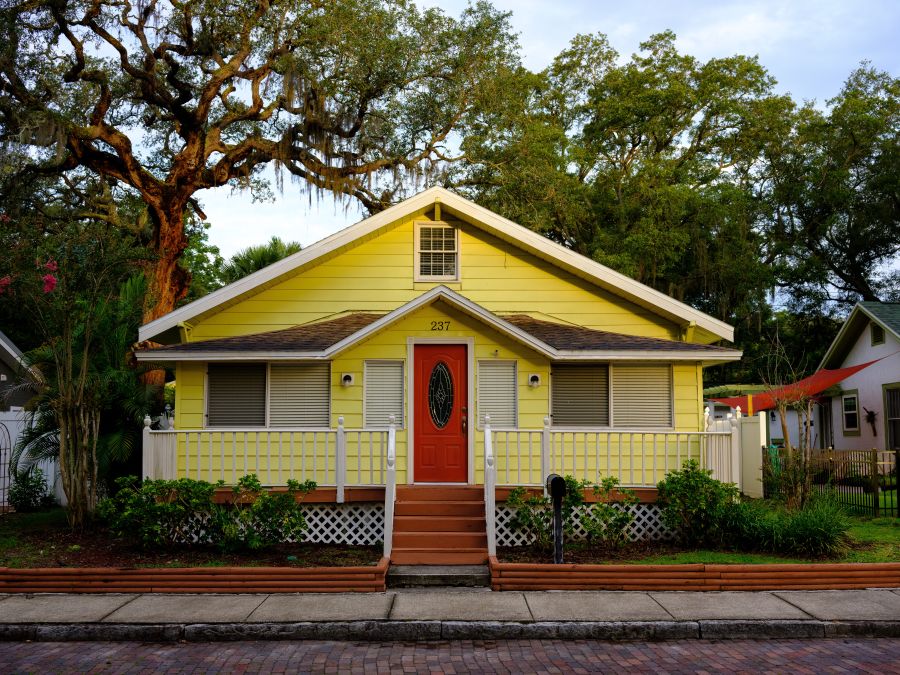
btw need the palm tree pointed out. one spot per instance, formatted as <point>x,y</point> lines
<point>254,258</point>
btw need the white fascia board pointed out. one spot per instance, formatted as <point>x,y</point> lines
<point>155,356</point>
<point>617,283</point>
<point>839,338</point>
<point>648,355</point>
<point>284,266</point>
<point>7,345</point>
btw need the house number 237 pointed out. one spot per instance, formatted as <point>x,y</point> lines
<point>440,325</point>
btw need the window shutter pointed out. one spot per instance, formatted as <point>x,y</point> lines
<point>580,396</point>
<point>642,395</point>
<point>299,395</point>
<point>236,395</point>
<point>497,393</point>
<point>384,393</point>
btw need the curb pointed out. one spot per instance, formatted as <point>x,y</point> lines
<point>431,631</point>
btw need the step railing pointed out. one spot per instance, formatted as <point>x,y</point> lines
<point>390,488</point>
<point>490,488</point>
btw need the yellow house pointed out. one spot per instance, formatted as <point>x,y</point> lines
<point>443,349</point>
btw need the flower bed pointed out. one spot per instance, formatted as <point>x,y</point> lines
<point>816,576</point>
<point>195,579</point>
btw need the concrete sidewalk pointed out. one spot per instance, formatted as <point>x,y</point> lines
<point>440,614</point>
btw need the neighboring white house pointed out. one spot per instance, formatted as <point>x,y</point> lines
<point>865,413</point>
<point>773,431</point>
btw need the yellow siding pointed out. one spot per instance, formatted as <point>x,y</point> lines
<point>378,275</point>
<point>392,343</point>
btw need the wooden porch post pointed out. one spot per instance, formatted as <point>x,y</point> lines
<point>340,461</point>
<point>147,450</point>
<point>545,453</point>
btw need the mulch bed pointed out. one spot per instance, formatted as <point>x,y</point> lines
<point>58,546</point>
<point>576,554</point>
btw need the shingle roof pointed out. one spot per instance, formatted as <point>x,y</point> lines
<point>319,336</point>
<point>576,338</point>
<point>308,337</point>
<point>887,313</point>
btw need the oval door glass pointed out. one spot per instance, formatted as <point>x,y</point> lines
<point>440,395</point>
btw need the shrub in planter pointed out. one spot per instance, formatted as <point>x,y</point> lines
<point>605,522</point>
<point>160,513</point>
<point>257,518</point>
<point>692,502</point>
<point>751,526</point>
<point>534,514</point>
<point>28,491</point>
<point>818,529</point>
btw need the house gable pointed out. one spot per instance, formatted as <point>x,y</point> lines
<point>853,340</point>
<point>370,267</point>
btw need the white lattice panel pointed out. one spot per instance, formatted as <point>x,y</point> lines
<point>647,525</point>
<point>357,524</point>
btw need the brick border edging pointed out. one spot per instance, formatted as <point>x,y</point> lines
<point>378,631</point>
<point>701,577</point>
<point>195,579</point>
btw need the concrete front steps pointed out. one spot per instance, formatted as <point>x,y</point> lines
<point>439,525</point>
<point>439,576</point>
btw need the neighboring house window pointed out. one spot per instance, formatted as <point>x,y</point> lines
<point>236,395</point>
<point>579,396</point>
<point>850,403</point>
<point>384,393</point>
<point>437,252</point>
<point>642,395</point>
<point>497,393</point>
<point>877,334</point>
<point>289,395</point>
<point>299,395</point>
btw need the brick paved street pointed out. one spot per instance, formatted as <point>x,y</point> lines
<point>508,656</point>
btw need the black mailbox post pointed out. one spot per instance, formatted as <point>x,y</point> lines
<point>556,487</point>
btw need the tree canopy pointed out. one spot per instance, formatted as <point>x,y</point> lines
<point>170,98</point>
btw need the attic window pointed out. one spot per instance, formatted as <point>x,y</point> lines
<point>877,334</point>
<point>437,252</point>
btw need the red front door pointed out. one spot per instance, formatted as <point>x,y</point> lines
<point>441,393</point>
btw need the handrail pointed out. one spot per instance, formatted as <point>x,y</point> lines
<point>490,490</point>
<point>390,488</point>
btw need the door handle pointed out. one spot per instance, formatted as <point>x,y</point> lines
<point>465,419</point>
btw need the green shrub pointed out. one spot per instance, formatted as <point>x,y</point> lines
<point>692,502</point>
<point>606,523</point>
<point>163,513</point>
<point>820,528</point>
<point>751,526</point>
<point>534,514</point>
<point>28,491</point>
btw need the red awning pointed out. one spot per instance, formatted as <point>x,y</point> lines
<point>808,386</point>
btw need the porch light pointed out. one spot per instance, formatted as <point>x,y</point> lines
<point>534,380</point>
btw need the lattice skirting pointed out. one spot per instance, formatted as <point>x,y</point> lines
<point>647,525</point>
<point>360,524</point>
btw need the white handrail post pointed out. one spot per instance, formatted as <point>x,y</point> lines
<point>340,461</point>
<point>545,453</point>
<point>490,488</point>
<point>705,420</point>
<point>147,450</point>
<point>390,488</point>
<point>735,473</point>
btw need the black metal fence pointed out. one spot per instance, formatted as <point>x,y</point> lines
<point>864,481</point>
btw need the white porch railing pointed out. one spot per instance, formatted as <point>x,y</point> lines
<point>390,489</point>
<point>490,489</point>
<point>637,457</point>
<point>331,457</point>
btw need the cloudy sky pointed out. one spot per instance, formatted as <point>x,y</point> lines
<point>809,46</point>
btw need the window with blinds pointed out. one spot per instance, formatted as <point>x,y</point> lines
<point>236,395</point>
<point>299,395</point>
<point>579,396</point>
<point>642,395</point>
<point>497,393</point>
<point>437,254</point>
<point>383,382</point>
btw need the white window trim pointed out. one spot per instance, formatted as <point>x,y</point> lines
<point>515,363</point>
<point>610,398</point>
<point>403,384</point>
<point>417,227</point>
<point>844,426</point>
<point>206,424</point>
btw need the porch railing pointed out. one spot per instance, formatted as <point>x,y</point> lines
<point>637,457</point>
<point>331,457</point>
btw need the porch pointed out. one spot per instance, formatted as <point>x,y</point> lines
<point>356,471</point>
